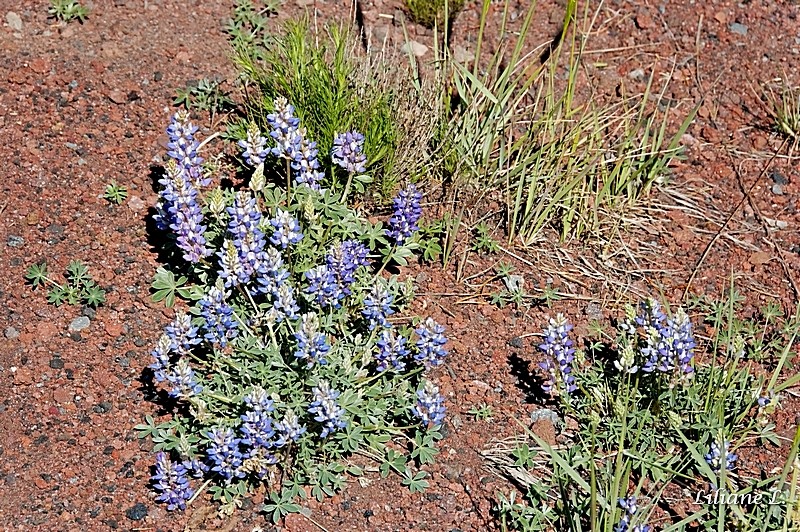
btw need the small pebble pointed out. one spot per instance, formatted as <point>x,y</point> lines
<point>14,21</point>
<point>544,413</point>
<point>15,241</point>
<point>103,408</point>
<point>778,178</point>
<point>777,189</point>
<point>11,333</point>
<point>56,363</point>
<point>417,49</point>
<point>737,28</point>
<point>516,342</point>
<point>137,512</point>
<point>78,324</point>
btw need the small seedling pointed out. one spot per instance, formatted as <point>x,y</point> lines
<point>79,287</point>
<point>484,243</point>
<point>115,193</point>
<point>481,412</point>
<point>203,95</point>
<point>68,10</point>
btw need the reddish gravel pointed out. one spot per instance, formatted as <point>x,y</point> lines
<point>82,105</point>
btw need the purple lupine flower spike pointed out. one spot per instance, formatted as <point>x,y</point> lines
<point>430,405</point>
<point>312,345</point>
<point>220,324</point>
<point>327,411</point>
<point>391,351</point>
<point>171,481</point>
<point>406,214</point>
<point>559,355</point>
<point>378,305</point>
<point>348,152</point>
<point>254,147</point>
<point>430,346</point>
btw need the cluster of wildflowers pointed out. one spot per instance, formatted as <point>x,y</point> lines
<point>628,504</point>
<point>407,212</point>
<point>348,152</point>
<point>559,355</point>
<point>663,344</point>
<point>288,339</point>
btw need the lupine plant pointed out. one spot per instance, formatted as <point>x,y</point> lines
<point>652,407</point>
<point>294,349</point>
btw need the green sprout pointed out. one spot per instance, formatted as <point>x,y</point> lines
<point>115,193</point>
<point>68,10</point>
<point>79,287</point>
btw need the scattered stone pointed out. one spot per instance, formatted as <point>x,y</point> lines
<point>11,333</point>
<point>778,178</point>
<point>15,241</point>
<point>777,189</point>
<point>516,342</point>
<point>637,75</point>
<point>739,29</point>
<point>89,312</point>
<point>594,311</point>
<point>117,96</point>
<point>136,204</point>
<point>462,55</point>
<point>544,413</point>
<point>137,512</point>
<point>103,408</point>
<point>56,363</point>
<point>78,324</point>
<point>644,21</point>
<point>417,49</point>
<point>71,145</point>
<point>62,395</point>
<point>158,75</point>
<point>14,21</point>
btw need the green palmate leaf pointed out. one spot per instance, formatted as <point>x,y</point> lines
<point>94,296</point>
<point>36,274</point>
<point>77,272</point>
<point>416,483</point>
<point>57,296</point>
<point>166,286</point>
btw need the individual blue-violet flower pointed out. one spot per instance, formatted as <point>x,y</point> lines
<point>430,407</point>
<point>182,334</point>
<point>183,380</point>
<point>322,286</point>
<point>391,351</point>
<point>430,345</point>
<point>179,211</point>
<point>287,229</point>
<point>326,410</point>
<point>721,455</point>
<point>559,355</point>
<point>257,429</point>
<point>161,354</point>
<point>182,148</point>
<point>343,260</point>
<point>312,345</point>
<point>305,163</point>
<point>629,505</point>
<point>272,272</point>
<point>348,152</point>
<point>285,305</point>
<point>247,241</point>
<point>289,429</point>
<point>406,214</point>
<point>220,324</point>
<point>223,453</point>
<point>254,147</point>
<point>284,129</point>
<point>378,305</point>
<point>172,483</point>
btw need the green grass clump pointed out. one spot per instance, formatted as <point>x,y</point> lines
<point>334,88</point>
<point>783,105</point>
<point>432,13</point>
<point>516,124</point>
